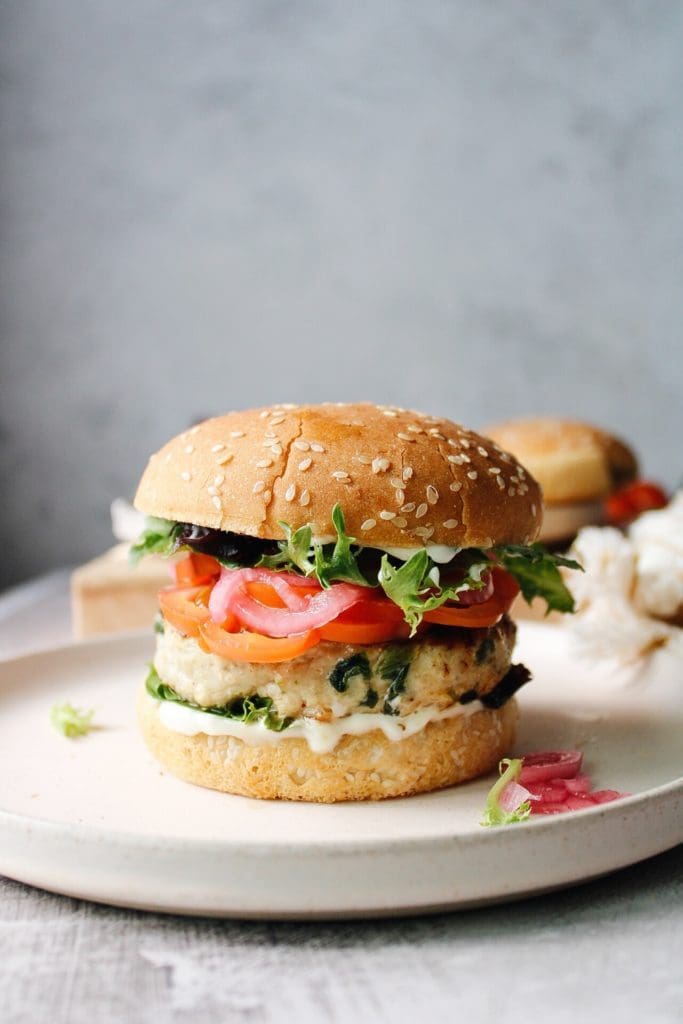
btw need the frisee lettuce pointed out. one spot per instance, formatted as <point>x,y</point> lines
<point>242,709</point>
<point>412,585</point>
<point>510,770</point>
<point>71,721</point>
<point>329,563</point>
<point>158,537</point>
<point>295,551</point>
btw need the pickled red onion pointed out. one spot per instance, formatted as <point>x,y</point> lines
<point>301,612</point>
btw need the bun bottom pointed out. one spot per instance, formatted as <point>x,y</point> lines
<point>367,767</point>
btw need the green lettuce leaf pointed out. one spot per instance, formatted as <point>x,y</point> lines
<point>158,537</point>
<point>510,770</point>
<point>242,709</point>
<point>295,551</point>
<point>536,571</point>
<point>414,586</point>
<point>338,562</point>
<point>71,721</point>
<point>329,563</point>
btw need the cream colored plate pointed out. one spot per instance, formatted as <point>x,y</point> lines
<point>97,818</point>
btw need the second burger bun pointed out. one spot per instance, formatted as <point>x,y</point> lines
<point>402,479</point>
<point>573,461</point>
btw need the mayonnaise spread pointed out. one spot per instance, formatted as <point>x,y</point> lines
<point>322,737</point>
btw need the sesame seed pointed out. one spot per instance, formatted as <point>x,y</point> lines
<point>212,490</point>
<point>305,497</point>
<point>421,510</point>
<point>437,435</point>
<point>315,447</point>
<point>482,451</point>
<point>410,507</point>
<point>533,509</point>
<point>228,457</point>
<point>340,474</point>
<point>380,465</point>
<point>217,502</point>
<point>505,457</point>
<point>302,445</point>
<point>264,463</point>
<point>511,492</point>
<point>195,430</point>
<point>424,531</point>
<point>464,442</point>
<point>185,475</point>
<point>267,496</point>
<point>258,487</point>
<point>405,437</point>
<point>189,448</point>
<point>465,458</point>
<point>455,486</point>
<point>364,460</point>
<point>500,482</point>
<point>495,470</point>
<point>305,464</point>
<point>236,433</point>
<point>514,479</point>
<point>432,494</point>
<point>395,482</point>
<point>218,480</point>
<point>276,421</point>
<point>457,460</point>
<point>453,443</point>
<point>368,525</point>
<point>400,497</point>
<point>264,413</point>
<point>473,474</point>
<point>271,435</point>
<point>407,473</point>
<point>401,522</point>
<point>389,412</point>
<point>414,429</point>
<point>276,449</point>
<point>290,493</point>
<point>450,524</point>
<point>385,514</point>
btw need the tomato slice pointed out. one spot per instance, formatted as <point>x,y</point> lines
<point>185,607</point>
<point>374,621</point>
<point>196,570</point>
<point>253,647</point>
<point>478,616</point>
<point>628,503</point>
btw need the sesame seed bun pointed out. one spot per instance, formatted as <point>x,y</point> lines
<point>403,479</point>
<point>367,767</point>
<point>572,461</point>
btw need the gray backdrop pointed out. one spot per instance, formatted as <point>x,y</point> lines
<point>474,208</point>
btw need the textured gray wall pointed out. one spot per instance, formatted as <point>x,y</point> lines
<point>471,208</point>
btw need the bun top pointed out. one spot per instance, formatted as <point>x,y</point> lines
<point>572,461</point>
<point>402,479</point>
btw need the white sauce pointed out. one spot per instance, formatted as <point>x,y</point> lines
<point>322,737</point>
<point>440,553</point>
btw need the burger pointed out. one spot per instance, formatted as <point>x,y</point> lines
<point>337,628</point>
<point>580,468</point>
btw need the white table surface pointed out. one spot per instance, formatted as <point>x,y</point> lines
<point>608,950</point>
